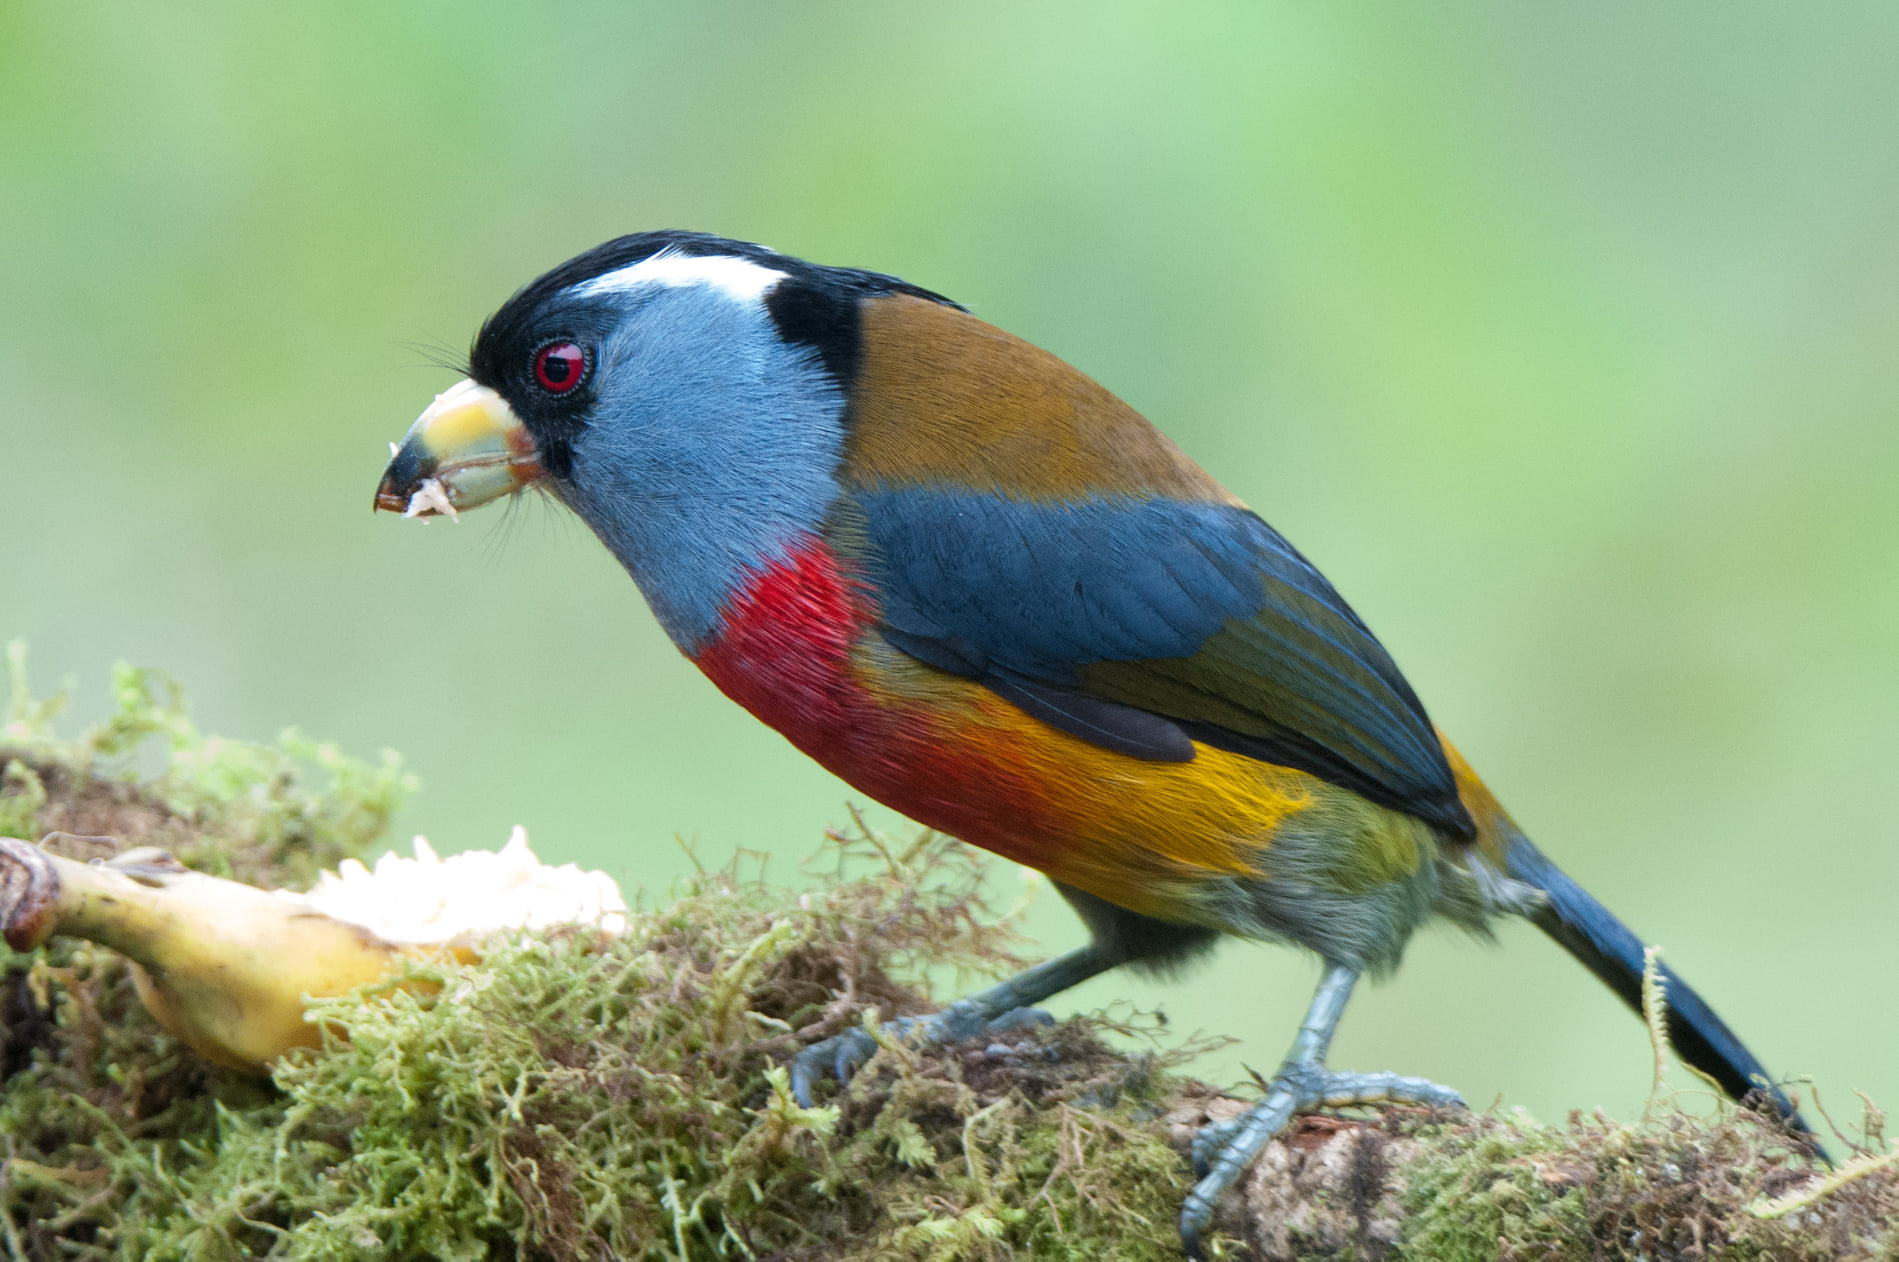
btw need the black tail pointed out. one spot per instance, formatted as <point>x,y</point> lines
<point>1610,950</point>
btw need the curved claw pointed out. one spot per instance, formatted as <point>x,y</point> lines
<point>852,1053</point>
<point>842,1055</point>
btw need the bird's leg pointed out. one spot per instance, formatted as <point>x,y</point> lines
<point>1223,1150</point>
<point>1004,1006</point>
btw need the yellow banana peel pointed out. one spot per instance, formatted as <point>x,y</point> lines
<point>223,966</point>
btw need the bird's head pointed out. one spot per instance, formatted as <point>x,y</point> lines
<point>684,394</point>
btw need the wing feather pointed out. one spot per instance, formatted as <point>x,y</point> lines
<point>1123,619</point>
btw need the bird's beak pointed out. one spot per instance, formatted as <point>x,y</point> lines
<point>468,448</point>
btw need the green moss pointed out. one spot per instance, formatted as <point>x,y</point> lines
<point>1485,1184</point>
<point>100,1107</point>
<point>576,1096</point>
<point>1673,1185</point>
<point>270,815</point>
<point>580,1096</point>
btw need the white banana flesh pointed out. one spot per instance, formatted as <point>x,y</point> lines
<point>226,967</point>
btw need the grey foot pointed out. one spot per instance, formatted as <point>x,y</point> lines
<point>1223,1150</point>
<point>842,1055</point>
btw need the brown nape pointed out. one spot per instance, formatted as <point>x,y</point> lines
<point>942,396</point>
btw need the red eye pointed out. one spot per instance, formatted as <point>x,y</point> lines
<point>559,366</point>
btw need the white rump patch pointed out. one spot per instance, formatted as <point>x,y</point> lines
<point>738,278</point>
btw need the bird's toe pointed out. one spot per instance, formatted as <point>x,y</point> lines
<point>1020,1019</point>
<point>842,1055</point>
<point>1223,1150</point>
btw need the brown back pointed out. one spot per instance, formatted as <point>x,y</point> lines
<point>942,397</point>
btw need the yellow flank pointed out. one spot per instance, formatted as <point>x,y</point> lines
<point>1148,836</point>
<point>941,397</point>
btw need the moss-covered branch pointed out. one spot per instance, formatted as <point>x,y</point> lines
<point>587,1096</point>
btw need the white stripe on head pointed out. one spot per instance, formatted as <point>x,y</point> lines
<point>738,278</point>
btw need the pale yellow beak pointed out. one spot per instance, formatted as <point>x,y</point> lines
<point>468,448</point>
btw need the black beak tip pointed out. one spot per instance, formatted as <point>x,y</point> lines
<point>399,481</point>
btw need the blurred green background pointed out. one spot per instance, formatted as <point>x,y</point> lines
<point>1562,337</point>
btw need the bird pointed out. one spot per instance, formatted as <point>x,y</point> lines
<point>979,587</point>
